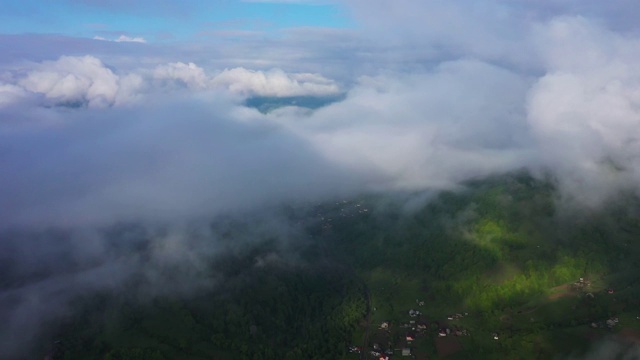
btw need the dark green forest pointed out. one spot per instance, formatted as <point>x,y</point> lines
<point>498,269</point>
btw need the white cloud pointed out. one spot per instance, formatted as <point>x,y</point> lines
<point>409,126</point>
<point>189,74</point>
<point>10,93</point>
<point>122,38</point>
<point>175,155</point>
<point>491,29</point>
<point>585,112</point>
<point>245,82</point>
<point>429,130</point>
<point>274,83</point>
<point>85,80</point>
<point>74,80</point>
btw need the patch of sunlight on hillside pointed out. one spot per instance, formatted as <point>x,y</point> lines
<point>510,286</point>
<point>487,234</point>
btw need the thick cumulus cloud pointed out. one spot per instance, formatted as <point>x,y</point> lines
<point>73,79</point>
<point>189,74</point>
<point>585,111</point>
<point>581,109</point>
<point>86,80</point>
<point>275,83</point>
<point>430,130</point>
<point>247,83</point>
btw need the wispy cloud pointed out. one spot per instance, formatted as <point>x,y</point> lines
<point>122,38</point>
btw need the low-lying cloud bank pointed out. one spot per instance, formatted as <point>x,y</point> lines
<point>86,142</point>
<point>47,276</point>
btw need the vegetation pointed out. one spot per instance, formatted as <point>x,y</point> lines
<point>264,313</point>
<point>499,256</point>
<point>266,104</point>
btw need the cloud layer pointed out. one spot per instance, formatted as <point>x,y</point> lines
<point>85,140</point>
<point>86,80</point>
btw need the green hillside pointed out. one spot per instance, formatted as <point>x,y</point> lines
<point>498,259</point>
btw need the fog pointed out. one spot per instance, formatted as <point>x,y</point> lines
<point>95,132</point>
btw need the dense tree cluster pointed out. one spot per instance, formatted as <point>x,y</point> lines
<point>266,313</point>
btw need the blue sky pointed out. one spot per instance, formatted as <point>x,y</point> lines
<point>163,20</point>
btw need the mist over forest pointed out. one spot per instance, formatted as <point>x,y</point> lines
<point>276,179</point>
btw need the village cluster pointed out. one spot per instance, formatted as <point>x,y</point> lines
<point>411,329</point>
<point>610,323</point>
<point>584,286</point>
<point>416,326</point>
